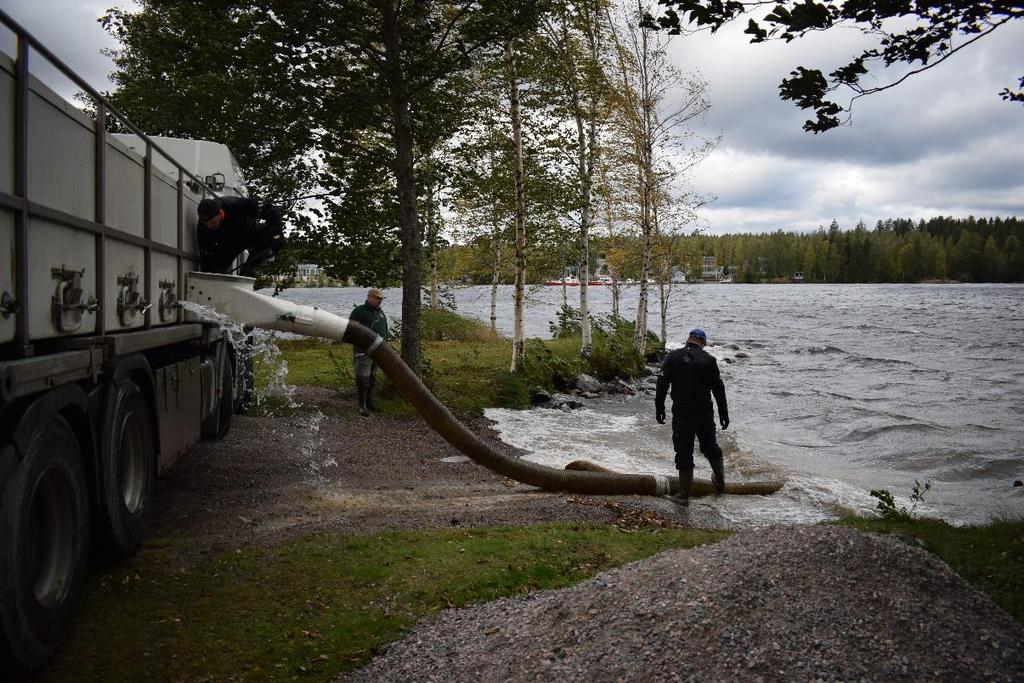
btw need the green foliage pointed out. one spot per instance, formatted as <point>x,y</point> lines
<point>612,354</point>
<point>888,509</point>
<point>322,605</point>
<point>197,70</point>
<point>988,557</point>
<point>906,33</point>
<point>542,366</point>
<point>570,322</point>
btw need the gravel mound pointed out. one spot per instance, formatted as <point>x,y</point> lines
<point>785,603</point>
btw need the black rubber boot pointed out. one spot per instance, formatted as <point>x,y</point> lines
<point>362,390</point>
<point>685,484</point>
<point>718,473</point>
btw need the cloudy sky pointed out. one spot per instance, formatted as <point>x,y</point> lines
<point>942,143</point>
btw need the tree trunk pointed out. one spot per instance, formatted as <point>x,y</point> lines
<point>640,331</point>
<point>664,293</point>
<point>405,178</point>
<point>610,227</point>
<point>518,337</point>
<point>495,278</point>
<point>647,236</point>
<point>664,278</point>
<point>588,151</point>
<point>432,232</point>
<point>586,161</point>
<point>646,177</point>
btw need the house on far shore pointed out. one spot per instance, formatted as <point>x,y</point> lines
<point>710,270</point>
<point>308,272</point>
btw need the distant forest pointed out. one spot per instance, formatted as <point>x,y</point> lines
<point>896,250</point>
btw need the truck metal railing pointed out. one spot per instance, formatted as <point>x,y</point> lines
<point>24,208</point>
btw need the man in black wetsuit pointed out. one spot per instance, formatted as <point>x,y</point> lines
<point>692,374</point>
<point>229,225</point>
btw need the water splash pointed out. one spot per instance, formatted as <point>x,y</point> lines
<point>274,391</point>
<point>269,363</point>
<point>259,347</point>
<point>312,443</point>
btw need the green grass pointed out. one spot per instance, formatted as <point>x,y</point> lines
<point>323,604</point>
<point>989,557</point>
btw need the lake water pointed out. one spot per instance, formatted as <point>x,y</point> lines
<point>847,388</point>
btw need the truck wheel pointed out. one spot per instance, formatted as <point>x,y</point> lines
<point>44,541</point>
<point>245,369</point>
<point>218,424</point>
<point>128,467</point>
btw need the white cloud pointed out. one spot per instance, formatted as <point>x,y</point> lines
<point>941,143</point>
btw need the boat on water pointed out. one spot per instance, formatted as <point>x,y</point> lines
<point>601,281</point>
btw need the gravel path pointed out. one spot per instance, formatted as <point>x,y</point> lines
<point>272,479</point>
<point>786,603</point>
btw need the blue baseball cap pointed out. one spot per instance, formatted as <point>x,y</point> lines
<point>699,334</point>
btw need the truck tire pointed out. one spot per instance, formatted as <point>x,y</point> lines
<point>127,469</point>
<point>245,371</point>
<point>44,542</point>
<point>218,424</point>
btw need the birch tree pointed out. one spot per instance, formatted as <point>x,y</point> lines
<point>519,296</point>
<point>657,106</point>
<point>573,39</point>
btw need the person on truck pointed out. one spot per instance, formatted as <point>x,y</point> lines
<point>693,377</point>
<point>370,315</point>
<point>230,225</point>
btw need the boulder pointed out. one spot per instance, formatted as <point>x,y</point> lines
<point>539,396</point>
<point>618,386</point>
<point>587,383</point>
<point>743,354</point>
<point>562,402</point>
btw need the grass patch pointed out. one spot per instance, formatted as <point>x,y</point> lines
<point>439,324</point>
<point>989,557</point>
<point>323,604</point>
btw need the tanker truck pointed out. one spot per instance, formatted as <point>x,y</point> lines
<point>104,378</point>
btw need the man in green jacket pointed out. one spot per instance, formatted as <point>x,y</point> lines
<point>371,316</point>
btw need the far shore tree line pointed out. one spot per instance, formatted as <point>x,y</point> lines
<point>893,251</point>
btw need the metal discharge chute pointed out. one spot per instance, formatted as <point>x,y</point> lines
<point>234,297</point>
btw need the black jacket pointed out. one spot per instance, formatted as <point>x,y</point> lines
<point>246,225</point>
<point>692,373</point>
